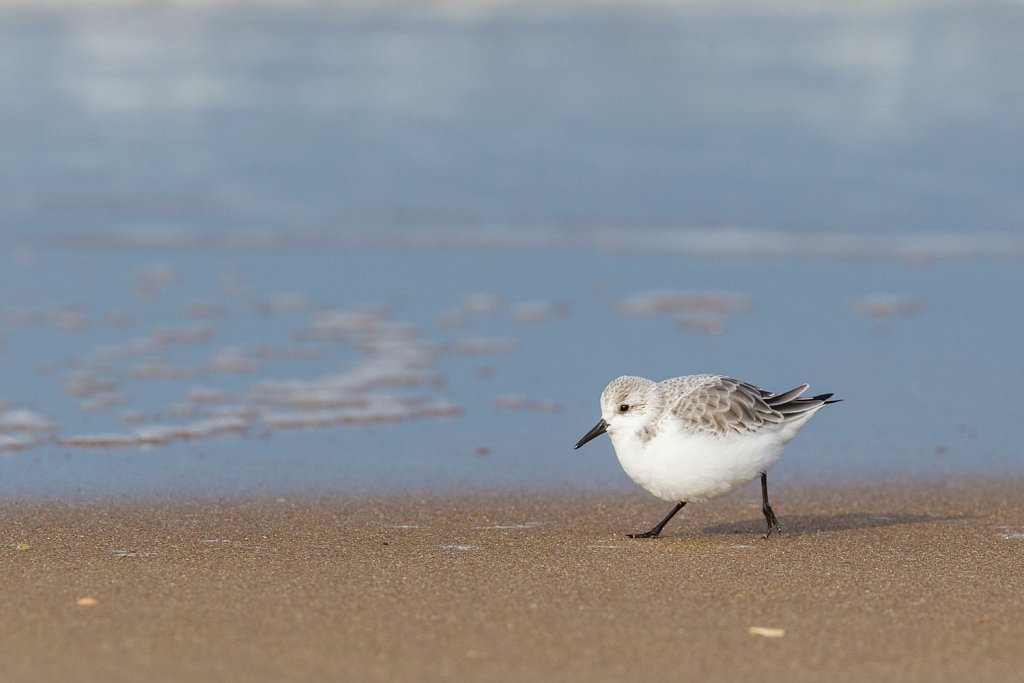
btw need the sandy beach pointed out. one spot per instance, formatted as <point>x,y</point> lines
<point>916,582</point>
<point>266,264</point>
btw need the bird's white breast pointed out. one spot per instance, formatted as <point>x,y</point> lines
<point>693,466</point>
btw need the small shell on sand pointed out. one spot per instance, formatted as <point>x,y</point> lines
<point>766,631</point>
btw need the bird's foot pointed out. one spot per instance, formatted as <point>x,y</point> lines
<point>653,533</point>
<point>773,525</point>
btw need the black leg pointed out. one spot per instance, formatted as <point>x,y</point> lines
<point>656,531</point>
<point>769,514</point>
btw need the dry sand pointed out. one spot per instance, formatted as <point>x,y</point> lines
<point>922,583</point>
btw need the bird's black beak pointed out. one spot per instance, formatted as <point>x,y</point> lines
<point>600,428</point>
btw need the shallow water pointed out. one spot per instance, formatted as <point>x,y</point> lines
<point>487,375</point>
<point>336,249</point>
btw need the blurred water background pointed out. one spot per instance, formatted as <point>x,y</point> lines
<point>274,247</point>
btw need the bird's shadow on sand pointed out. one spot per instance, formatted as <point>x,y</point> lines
<point>796,525</point>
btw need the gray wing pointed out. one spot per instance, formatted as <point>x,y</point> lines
<point>722,405</point>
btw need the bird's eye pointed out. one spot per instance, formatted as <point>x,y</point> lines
<point>624,407</point>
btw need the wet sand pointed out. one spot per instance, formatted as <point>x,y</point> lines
<point>921,582</point>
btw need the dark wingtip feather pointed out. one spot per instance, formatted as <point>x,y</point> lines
<point>794,406</point>
<point>785,397</point>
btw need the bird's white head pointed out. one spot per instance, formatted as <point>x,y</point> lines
<point>627,406</point>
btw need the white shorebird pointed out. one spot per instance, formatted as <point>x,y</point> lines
<point>691,439</point>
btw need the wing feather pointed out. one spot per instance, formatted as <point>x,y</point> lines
<point>722,405</point>
<point>785,397</point>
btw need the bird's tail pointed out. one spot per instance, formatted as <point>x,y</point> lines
<point>792,405</point>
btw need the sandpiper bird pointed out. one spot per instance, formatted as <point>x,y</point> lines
<point>694,438</point>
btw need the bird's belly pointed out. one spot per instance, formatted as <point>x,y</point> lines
<point>695,467</point>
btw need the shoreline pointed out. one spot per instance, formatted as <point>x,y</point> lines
<point>622,487</point>
<point>910,582</point>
